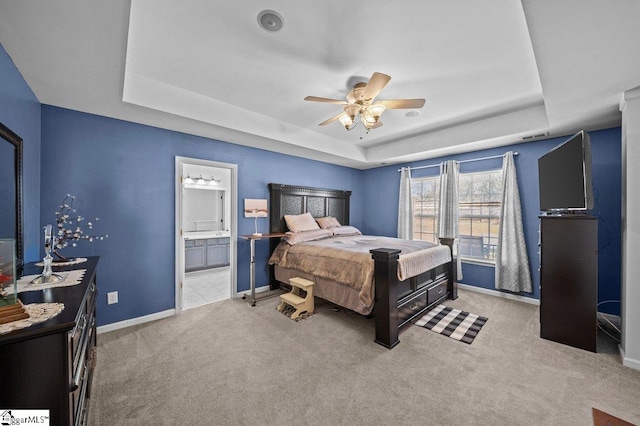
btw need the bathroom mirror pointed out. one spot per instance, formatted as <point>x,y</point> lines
<point>204,210</point>
<point>11,191</point>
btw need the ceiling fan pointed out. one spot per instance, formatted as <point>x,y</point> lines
<point>360,105</point>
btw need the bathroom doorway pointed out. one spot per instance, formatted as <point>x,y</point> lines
<point>206,200</point>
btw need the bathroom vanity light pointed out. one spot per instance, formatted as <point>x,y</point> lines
<point>200,181</point>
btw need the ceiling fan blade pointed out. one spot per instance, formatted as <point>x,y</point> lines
<point>332,119</point>
<point>375,85</point>
<point>325,100</point>
<point>402,103</point>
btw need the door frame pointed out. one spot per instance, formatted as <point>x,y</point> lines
<point>233,225</point>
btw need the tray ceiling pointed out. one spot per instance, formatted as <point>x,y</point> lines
<point>491,72</point>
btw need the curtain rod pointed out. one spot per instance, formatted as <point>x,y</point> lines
<point>461,161</point>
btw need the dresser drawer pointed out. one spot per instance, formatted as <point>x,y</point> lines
<point>80,335</point>
<point>424,280</point>
<point>404,288</point>
<point>82,362</point>
<point>50,365</point>
<point>440,271</point>
<point>410,307</point>
<point>437,291</point>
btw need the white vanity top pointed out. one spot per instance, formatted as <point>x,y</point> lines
<point>199,235</point>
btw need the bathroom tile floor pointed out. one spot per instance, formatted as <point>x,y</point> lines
<point>207,286</point>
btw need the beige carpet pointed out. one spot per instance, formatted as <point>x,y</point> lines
<point>232,364</point>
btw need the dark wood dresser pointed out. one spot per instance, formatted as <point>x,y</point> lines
<point>50,365</point>
<point>569,280</point>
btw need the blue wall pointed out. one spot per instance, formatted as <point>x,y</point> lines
<point>20,111</point>
<point>606,153</point>
<point>123,173</point>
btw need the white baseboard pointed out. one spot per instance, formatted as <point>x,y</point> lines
<point>135,321</point>
<point>258,290</point>
<point>501,294</point>
<point>629,362</point>
<point>159,315</point>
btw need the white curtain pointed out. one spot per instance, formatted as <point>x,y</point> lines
<point>405,207</point>
<point>448,206</point>
<point>512,262</point>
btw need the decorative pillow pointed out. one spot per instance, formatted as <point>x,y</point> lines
<point>302,236</point>
<point>345,230</point>
<point>327,222</point>
<point>300,222</point>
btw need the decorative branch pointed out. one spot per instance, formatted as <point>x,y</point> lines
<point>70,226</point>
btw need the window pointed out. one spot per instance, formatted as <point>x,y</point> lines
<point>479,195</point>
<point>425,193</point>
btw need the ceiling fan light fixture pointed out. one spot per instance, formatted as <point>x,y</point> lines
<point>368,118</point>
<point>374,111</point>
<point>346,121</point>
<point>351,110</point>
<point>356,95</point>
<point>361,105</point>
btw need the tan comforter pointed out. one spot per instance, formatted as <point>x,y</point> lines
<point>347,260</point>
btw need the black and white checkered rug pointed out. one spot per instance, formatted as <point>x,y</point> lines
<point>453,323</point>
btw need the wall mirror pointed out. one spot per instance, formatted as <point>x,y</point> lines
<point>11,190</point>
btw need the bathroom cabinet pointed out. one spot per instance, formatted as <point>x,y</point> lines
<point>206,253</point>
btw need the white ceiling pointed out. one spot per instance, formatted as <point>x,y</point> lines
<point>492,72</point>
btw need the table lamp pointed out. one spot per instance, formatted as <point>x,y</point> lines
<point>255,208</point>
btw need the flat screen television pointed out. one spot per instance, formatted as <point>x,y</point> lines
<point>564,175</point>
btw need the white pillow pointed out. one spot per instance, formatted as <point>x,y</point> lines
<point>301,237</point>
<point>345,230</point>
<point>327,222</point>
<point>300,222</point>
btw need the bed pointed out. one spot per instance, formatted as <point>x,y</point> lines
<point>396,281</point>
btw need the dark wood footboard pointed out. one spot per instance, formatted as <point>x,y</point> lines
<point>398,303</point>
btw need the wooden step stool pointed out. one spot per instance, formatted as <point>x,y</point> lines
<point>295,299</point>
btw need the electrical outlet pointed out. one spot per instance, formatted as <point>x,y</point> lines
<point>112,298</point>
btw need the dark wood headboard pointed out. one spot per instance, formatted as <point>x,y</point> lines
<point>320,202</point>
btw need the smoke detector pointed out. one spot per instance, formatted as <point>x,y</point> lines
<point>270,20</point>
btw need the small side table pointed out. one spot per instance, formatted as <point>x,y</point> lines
<point>252,240</point>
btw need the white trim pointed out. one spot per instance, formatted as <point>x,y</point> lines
<point>233,225</point>
<point>629,362</point>
<point>260,289</point>
<point>136,321</point>
<point>478,261</point>
<point>501,294</point>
